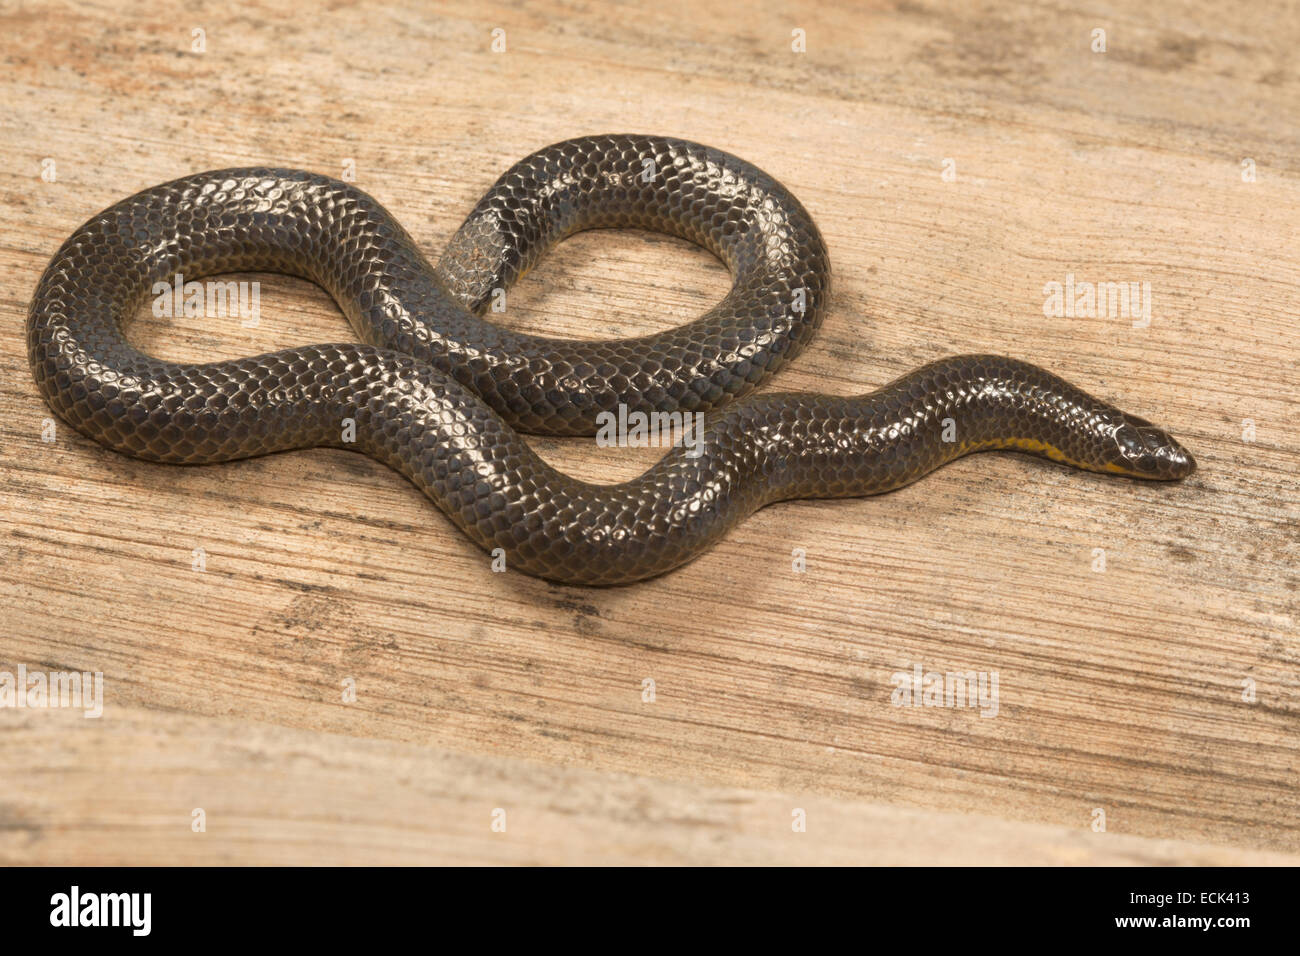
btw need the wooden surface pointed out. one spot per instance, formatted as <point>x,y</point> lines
<point>1163,690</point>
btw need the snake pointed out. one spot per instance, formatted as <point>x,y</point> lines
<point>439,392</point>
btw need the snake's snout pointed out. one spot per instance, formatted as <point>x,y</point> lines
<point>1143,450</point>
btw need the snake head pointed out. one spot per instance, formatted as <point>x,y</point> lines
<point>1143,450</point>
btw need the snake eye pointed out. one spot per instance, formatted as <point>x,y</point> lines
<point>1144,451</point>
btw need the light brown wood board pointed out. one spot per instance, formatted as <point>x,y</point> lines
<point>958,159</point>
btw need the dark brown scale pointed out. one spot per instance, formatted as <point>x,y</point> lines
<point>437,391</point>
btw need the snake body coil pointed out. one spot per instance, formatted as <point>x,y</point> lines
<point>437,392</point>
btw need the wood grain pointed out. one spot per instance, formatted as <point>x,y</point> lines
<point>283,796</point>
<point>1163,690</point>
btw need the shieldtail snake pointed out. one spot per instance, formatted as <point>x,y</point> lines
<point>440,394</point>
